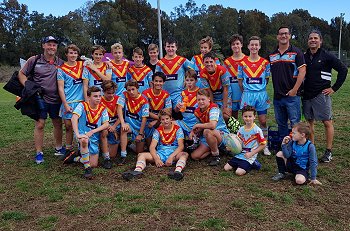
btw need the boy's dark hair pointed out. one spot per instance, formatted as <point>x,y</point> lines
<point>282,27</point>
<point>303,127</point>
<point>92,89</point>
<point>190,73</point>
<point>204,91</point>
<point>165,111</point>
<point>236,37</point>
<point>248,108</point>
<point>210,54</point>
<point>98,47</point>
<point>170,40</point>
<point>72,47</point>
<point>255,38</point>
<point>159,74</point>
<point>316,32</point>
<point>208,40</point>
<point>108,84</point>
<point>138,51</point>
<point>132,83</point>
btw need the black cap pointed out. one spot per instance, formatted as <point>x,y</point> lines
<point>49,39</point>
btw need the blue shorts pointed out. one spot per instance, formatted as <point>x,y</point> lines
<point>220,103</point>
<point>236,106</point>
<point>133,133</point>
<point>221,145</point>
<point>165,153</point>
<point>238,163</point>
<point>259,100</point>
<point>52,109</point>
<point>111,137</point>
<point>93,147</point>
<point>292,167</point>
<point>67,115</point>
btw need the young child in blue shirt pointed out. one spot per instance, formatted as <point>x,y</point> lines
<point>298,156</point>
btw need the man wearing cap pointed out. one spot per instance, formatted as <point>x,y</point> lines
<point>45,71</point>
<point>317,103</point>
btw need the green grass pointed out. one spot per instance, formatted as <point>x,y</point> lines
<point>55,197</point>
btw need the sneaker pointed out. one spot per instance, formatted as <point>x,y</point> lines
<point>327,156</point>
<point>39,158</point>
<point>107,164</point>
<point>175,175</point>
<point>215,161</point>
<point>69,159</point>
<point>256,165</point>
<point>121,161</point>
<point>60,152</point>
<point>88,173</point>
<point>278,176</point>
<point>267,151</point>
<point>129,175</point>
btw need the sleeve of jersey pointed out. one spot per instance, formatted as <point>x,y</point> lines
<point>240,72</point>
<point>79,109</point>
<point>214,114</point>
<point>145,110</point>
<point>300,60</point>
<point>268,71</point>
<point>60,74</point>
<point>204,83</point>
<point>128,76</point>
<point>158,69</point>
<point>155,135</point>
<point>261,138</point>
<point>121,100</point>
<point>313,161</point>
<point>180,134</point>
<point>149,77</point>
<point>104,116</point>
<point>85,74</point>
<point>287,149</point>
<point>108,71</point>
<point>225,78</point>
<point>189,65</point>
<point>168,102</point>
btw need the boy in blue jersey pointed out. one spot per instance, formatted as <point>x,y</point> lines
<point>253,76</point>
<point>298,156</point>
<point>133,111</point>
<point>119,68</point>
<point>166,148</point>
<point>97,71</point>
<point>88,120</point>
<point>253,142</point>
<point>210,127</point>
<point>231,64</point>
<point>174,67</point>
<point>139,71</point>
<point>70,89</point>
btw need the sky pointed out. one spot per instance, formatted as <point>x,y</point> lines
<point>324,9</point>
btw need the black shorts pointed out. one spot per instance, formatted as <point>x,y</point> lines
<point>292,167</point>
<point>238,163</point>
<point>52,109</point>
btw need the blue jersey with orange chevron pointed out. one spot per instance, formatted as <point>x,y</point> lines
<point>111,107</point>
<point>251,139</point>
<point>167,141</point>
<point>134,109</point>
<point>232,68</point>
<point>197,60</point>
<point>73,82</point>
<point>92,77</point>
<point>143,76</point>
<point>216,81</point>
<point>175,70</point>
<point>157,101</point>
<point>188,120</point>
<point>90,119</point>
<point>119,72</point>
<point>212,113</point>
<point>254,75</point>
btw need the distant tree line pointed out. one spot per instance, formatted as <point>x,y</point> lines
<point>134,23</point>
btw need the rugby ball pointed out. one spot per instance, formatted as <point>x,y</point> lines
<point>233,143</point>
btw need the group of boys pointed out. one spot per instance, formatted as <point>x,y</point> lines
<point>110,103</point>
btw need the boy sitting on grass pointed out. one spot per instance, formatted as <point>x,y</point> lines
<point>166,147</point>
<point>253,142</point>
<point>298,156</point>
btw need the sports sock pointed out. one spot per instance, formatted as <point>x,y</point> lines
<point>77,159</point>
<point>85,159</point>
<point>58,148</point>
<point>106,156</point>
<point>180,165</point>
<point>281,165</point>
<point>140,165</point>
<point>123,153</point>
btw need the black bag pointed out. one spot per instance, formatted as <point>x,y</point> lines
<point>14,86</point>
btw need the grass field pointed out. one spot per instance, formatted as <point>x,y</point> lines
<point>55,197</point>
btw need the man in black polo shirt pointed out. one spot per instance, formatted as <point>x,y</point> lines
<point>317,104</point>
<point>288,71</point>
<point>45,72</point>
